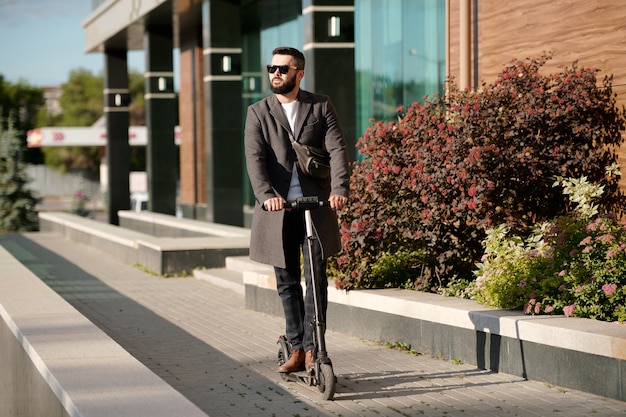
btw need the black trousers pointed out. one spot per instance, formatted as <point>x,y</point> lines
<point>298,307</point>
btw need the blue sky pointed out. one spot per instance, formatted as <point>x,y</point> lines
<point>41,41</point>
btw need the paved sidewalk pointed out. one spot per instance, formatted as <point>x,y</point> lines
<point>200,339</point>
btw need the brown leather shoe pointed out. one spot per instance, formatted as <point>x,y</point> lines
<point>309,360</point>
<point>295,362</point>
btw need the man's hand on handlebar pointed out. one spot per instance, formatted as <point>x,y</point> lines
<point>274,204</point>
<point>337,202</point>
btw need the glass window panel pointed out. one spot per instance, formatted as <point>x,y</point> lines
<point>265,25</point>
<point>277,36</point>
<point>399,55</point>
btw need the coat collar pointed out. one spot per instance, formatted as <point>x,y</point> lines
<point>303,107</point>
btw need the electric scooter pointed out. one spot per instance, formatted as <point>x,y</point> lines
<point>321,374</point>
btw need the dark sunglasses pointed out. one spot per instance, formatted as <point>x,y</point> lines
<point>284,69</point>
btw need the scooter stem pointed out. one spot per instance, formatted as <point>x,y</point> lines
<point>319,324</point>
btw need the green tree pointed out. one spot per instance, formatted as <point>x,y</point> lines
<point>17,202</point>
<point>23,101</point>
<point>82,101</point>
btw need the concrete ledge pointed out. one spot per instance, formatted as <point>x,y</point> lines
<point>163,225</point>
<point>66,224</point>
<point>581,354</point>
<point>163,255</point>
<point>54,362</point>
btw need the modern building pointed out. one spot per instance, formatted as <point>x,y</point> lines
<point>369,56</point>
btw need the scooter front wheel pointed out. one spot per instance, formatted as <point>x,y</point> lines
<point>326,381</point>
<point>284,350</point>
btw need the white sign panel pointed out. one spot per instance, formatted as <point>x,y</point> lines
<point>86,136</point>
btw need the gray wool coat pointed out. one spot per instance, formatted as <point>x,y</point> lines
<point>270,158</point>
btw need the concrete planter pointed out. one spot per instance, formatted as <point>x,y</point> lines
<point>581,354</point>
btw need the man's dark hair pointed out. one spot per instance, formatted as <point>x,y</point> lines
<point>287,50</point>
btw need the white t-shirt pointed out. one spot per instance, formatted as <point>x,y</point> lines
<point>295,190</point>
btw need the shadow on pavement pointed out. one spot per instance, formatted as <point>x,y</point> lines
<point>204,375</point>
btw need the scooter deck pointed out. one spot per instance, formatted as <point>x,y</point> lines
<point>301,376</point>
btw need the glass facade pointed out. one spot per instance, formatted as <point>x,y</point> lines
<point>257,53</point>
<point>399,55</point>
<point>266,25</point>
<point>400,50</point>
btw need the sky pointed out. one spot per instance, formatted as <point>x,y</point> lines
<point>42,41</point>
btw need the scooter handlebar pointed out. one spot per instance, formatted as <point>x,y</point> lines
<point>304,203</point>
<point>307,203</point>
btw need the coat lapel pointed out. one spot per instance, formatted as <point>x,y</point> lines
<point>304,107</point>
<point>276,110</point>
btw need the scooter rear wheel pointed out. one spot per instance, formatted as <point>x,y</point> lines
<point>326,381</point>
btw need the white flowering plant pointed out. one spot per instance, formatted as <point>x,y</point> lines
<point>574,265</point>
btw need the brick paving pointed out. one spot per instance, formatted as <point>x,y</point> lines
<point>200,339</point>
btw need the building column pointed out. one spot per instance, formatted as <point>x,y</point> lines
<point>161,116</point>
<point>465,44</point>
<point>329,53</point>
<point>116,101</point>
<point>191,111</point>
<point>223,113</point>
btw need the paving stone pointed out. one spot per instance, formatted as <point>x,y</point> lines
<point>200,339</point>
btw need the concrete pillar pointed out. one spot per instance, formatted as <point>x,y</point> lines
<point>161,117</point>
<point>329,53</point>
<point>116,101</point>
<point>223,114</point>
<point>191,111</point>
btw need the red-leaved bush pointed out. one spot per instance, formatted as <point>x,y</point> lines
<point>451,167</point>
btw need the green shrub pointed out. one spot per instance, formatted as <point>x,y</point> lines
<point>449,169</point>
<point>460,288</point>
<point>511,269</point>
<point>398,269</point>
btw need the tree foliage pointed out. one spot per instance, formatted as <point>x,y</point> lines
<point>22,102</point>
<point>449,169</point>
<point>17,202</point>
<point>82,101</point>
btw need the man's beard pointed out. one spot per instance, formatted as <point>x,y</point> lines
<point>287,86</point>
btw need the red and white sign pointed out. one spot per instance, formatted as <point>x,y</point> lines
<point>86,136</point>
